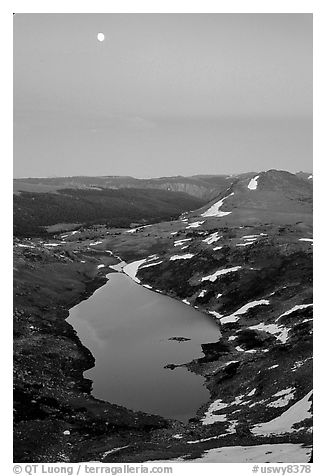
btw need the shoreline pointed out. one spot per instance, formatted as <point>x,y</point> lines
<point>41,394</point>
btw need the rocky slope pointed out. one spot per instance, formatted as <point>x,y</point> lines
<point>246,258</point>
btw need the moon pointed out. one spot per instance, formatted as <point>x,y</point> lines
<point>101,37</point>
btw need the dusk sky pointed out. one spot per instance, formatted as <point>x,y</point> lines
<point>163,94</point>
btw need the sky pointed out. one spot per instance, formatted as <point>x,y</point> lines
<point>162,95</point>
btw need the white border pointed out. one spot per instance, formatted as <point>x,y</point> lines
<point>167,6</point>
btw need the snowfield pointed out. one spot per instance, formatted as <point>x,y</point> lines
<point>210,416</point>
<point>214,210</point>
<point>236,315</point>
<point>151,264</point>
<point>118,267</point>
<point>306,239</point>
<point>131,269</point>
<point>293,309</point>
<point>284,423</point>
<point>280,332</point>
<point>181,242</point>
<point>195,224</point>
<point>276,453</point>
<point>186,256</point>
<point>220,272</point>
<point>286,395</point>
<point>202,293</point>
<point>253,183</point>
<point>212,238</point>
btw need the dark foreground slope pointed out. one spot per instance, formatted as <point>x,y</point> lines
<point>34,211</point>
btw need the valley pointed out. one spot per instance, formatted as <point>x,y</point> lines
<point>244,259</point>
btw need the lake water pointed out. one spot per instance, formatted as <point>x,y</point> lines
<point>127,328</point>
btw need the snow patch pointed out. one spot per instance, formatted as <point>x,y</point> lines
<point>131,269</point>
<point>114,450</point>
<point>293,309</point>
<point>286,391</point>
<point>118,267</point>
<point>275,453</point>
<point>192,442</point>
<point>212,238</point>
<point>214,210</point>
<point>284,423</point>
<point>213,277</point>
<point>186,256</point>
<point>249,237</point>
<point>151,264</point>
<point>236,315</point>
<point>286,395</point>
<point>253,183</point>
<point>215,314</point>
<point>181,242</point>
<point>280,332</point>
<point>210,416</point>
<point>195,224</point>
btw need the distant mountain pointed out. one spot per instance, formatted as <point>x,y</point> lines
<point>205,187</point>
<point>202,186</point>
<point>120,201</point>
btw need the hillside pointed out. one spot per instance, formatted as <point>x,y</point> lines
<point>246,259</point>
<point>34,211</point>
<point>272,197</point>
